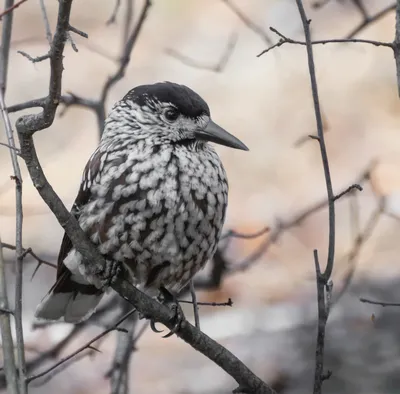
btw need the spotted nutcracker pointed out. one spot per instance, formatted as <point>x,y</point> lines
<point>153,197</point>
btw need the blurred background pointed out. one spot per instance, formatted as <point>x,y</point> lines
<point>266,102</point>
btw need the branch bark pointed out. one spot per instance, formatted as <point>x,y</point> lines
<point>6,335</point>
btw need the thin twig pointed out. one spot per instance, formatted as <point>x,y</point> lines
<point>11,147</point>
<point>30,252</point>
<point>114,13</point>
<point>124,61</point>
<point>81,349</point>
<point>287,40</point>
<point>350,189</point>
<point>227,303</point>
<point>6,335</point>
<point>324,287</point>
<point>381,303</point>
<point>118,373</point>
<point>46,22</point>
<point>20,347</point>
<point>236,234</point>
<point>11,8</point>
<point>195,305</point>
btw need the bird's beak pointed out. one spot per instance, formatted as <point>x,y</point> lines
<point>217,134</point>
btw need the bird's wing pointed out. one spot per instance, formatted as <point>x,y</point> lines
<point>90,173</point>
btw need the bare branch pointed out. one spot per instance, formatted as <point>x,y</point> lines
<point>36,59</point>
<point>30,252</point>
<point>350,189</point>
<point>6,335</point>
<point>381,303</point>
<point>287,40</point>
<point>125,346</point>
<point>324,286</point>
<point>11,147</point>
<point>368,20</point>
<point>227,303</point>
<point>235,234</point>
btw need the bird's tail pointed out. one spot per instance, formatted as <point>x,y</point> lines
<point>69,301</point>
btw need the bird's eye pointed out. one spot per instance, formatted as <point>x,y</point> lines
<point>171,114</point>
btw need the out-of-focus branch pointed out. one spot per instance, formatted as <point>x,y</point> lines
<point>114,327</point>
<point>368,20</point>
<point>10,368</point>
<point>4,56</point>
<point>381,303</point>
<point>11,8</point>
<point>217,67</point>
<point>248,22</point>
<point>119,372</point>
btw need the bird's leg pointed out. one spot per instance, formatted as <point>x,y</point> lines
<point>168,299</point>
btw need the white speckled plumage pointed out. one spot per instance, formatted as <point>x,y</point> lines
<point>153,197</point>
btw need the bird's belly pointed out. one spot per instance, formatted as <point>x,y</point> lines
<point>171,245</point>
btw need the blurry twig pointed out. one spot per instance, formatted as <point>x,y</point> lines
<point>227,303</point>
<point>360,240</point>
<point>119,372</point>
<point>9,366</point>
<point>195,305</point>
<point>11,8</point>
<point>17,177</point>
<point>218,67</point>
<point>114,327</point>
<point>248,22</point>
<point>30,252</point>
<point>113,16</point>
<point>46,22</point>
<point>381,303</point>
<point>368,20</point>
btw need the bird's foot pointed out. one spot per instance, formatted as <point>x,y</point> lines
<point>172,303</point>
<point>107,275</point>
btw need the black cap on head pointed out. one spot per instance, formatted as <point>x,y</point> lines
<point>188,102</point>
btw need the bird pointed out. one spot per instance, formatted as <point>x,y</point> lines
<point>153,199</point>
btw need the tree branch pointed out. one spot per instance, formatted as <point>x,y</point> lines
<point>4,56</point>
<point>324,284</point>
<point>287,40</point>
<point>6,335</point>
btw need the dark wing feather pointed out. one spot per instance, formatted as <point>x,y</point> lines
<point>90,172</point>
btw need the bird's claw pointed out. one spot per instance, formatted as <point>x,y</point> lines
<point>178,318</point>
<point>153,327</point>
<point>171,302</point>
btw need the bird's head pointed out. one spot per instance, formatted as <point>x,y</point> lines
<point>167,113</point>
